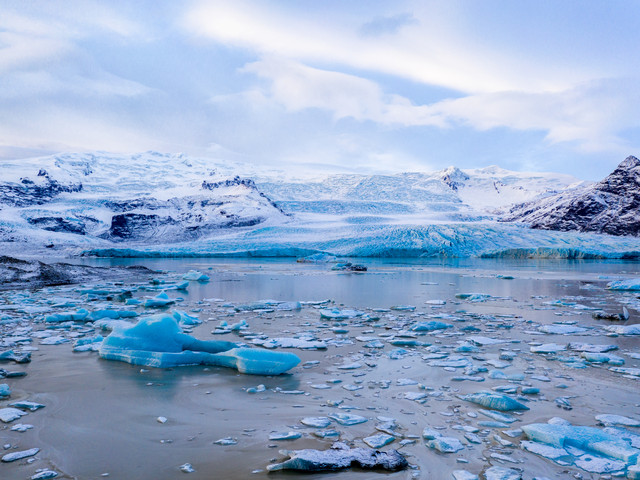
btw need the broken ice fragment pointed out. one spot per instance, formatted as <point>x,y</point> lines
<point>44,475</point>
<point>608,420</point>
<point>494,401</point>
<point>187,468</point>
<point>379,440</point>
<point>21,427</point>
<point>337,314</point>
<point>4,390</point>
<point>25,405</point>
<point>9,414</point>
<point>624,329</point>
<point>561,329</point>
<point>463,475</point>
<point>12,457</point>
<point>317,422</point>
<point>430,326</point>
<point>285,436</point>
<point>548,348</point>
<point>79,316</point>
<point>445,444</point>
<point>347,418</point>
<point>226,441</point>
<point>339,457</point>
<point>18,357</point>
<point>160,300</point>
<point>501,473</point>
<point>158,341</point>
<point>195,276</point>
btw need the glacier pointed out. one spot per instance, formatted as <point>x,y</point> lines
<point>164,205</point>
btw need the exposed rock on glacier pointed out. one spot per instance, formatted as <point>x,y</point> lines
<point>158,341</point>
<point>611,206</point>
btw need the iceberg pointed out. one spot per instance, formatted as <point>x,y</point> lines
<point>339,457</point>
<point>195,276</point>
<point>158,341</point>
<point>632,285</point>
<point>494,401</point>
<point>159,301</point>
<point>430,326</point>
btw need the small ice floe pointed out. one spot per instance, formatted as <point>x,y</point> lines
<point>349,267</point>
<point>502,473</point>
<point>463,475</point>
<point>159,301</point>
<point>624,329</point>
<point>13,356</point>
<point>44,474</point>
<point>547,348</point>
<point>184,318</point>
<point>403,308</point>
<point>473,297</point>
<point>602,358</point>
<point>588,448</point>
<point>9,414</point>
<point>286,342</point>
<point>609,420</point>
<point>591,348</point>
<point>21,427</point>
<point>26,405</point>
<point>12,457</point>
<point>316,422</point>
<point>161,419</point>
<point>226,441</point>
<point>111,314</point>
<point>486,341</point>
<point>339,457</point>
<point>337,314</point>
<point>347,418</point>
<point>258,389</point>
<point>54,340</point>
<point>81,315</point>
<point>195,276</point>
<point>632,284</point>
<point>430,326</point>
<point>290,435</point>
<point>158,341</point>
<point>5,391</point>
<point>89,344</point>
<point>187,468</point>
<point>494,401</point>
<point>561,329</point>
<point>445,444</point>
<point>379,440</point>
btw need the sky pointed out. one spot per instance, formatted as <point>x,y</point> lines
<point>361,86</point>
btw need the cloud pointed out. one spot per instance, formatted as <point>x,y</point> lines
<point>387,25</point>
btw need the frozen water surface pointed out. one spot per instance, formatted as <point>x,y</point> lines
<point>532,339</point>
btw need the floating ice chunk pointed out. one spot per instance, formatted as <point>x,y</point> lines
<point>4,390</point>
<point>285,435</point>
<point>112,314</point>
<point>18,357</point>
<point>591,348</point>
<point>512,376</point>
<point>347,418</point>
<point>195,276</point>
<point>44,475</point>
<point>430,433</point>
<point>258,389</point>
<point>12,457</point>
<point>445,444</point>
<point>486,341</point>
<point>430,326</point>
<point>337,314</point>
<point>161,419</point>
<point>403,308</point>
<point>561,329</point>
<point>350,366</point>
<point>159,301</point>
<point>54,340</point>
<point>634,372</point>
<point>624,329</point>
<point>187,468</point>
<point>185,319</point>
<point>501,417</point>
<point>158,341</point>
<point>599,465</point>
<point>632,284</point>
<point>226,441</point>
<point>25,405</point>
<point>21,427</point>
<point>379,440</point>
<point>548,348</point>
<point>339,457</point>
<point>602,358</point>
<point>494,401</point>
<point>79,316</point>
<point>547,451</point>
<point>331,433</point>
<point>473,297</point>
<point>589,439</point>
<point>463,475</point>
<point>88,344</point>
<point>610,419</point>
<point>316,422</point>
<point>286,342</point>
<point>9,414</point>
<point>501,473</point>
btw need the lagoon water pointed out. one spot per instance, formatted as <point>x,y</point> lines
<point>101,416</point>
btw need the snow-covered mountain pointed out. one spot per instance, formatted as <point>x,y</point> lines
<point>151,198</point>
<point>154,204</point>
<point>611,206</point>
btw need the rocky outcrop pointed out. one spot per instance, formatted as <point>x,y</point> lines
<point>611,206</point>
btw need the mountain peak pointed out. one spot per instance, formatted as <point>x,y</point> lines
<point>453,177</point>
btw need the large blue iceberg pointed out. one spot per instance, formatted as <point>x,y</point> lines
<point>158,341</point>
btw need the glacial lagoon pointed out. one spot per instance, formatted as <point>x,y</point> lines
<point>522,329</point>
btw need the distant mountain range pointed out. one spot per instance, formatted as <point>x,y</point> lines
<point>108,201</point>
